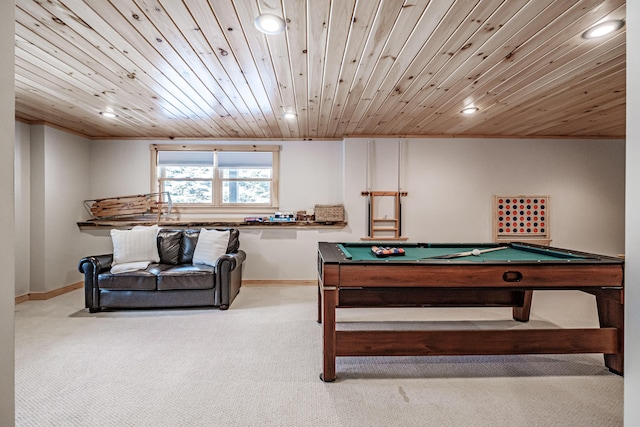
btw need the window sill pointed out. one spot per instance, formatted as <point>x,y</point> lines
<point>94,224</point>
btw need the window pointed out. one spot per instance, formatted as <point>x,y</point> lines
<point>214,178</point>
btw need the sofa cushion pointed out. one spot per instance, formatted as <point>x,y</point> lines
<point>141,280</point>
<point>211,245</point>
<point>169,246</point>
<point>188,246</point>
<point>190,240</point>
<point>129,266</point>
<point>234,240</point>
<point>198,276</point>
<point>137,244</point>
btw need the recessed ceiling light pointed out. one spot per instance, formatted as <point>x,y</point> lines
<point>269,24</point>
<point>603,28</point>
<point>469,110</point>
<point>108,114</point>
<point>290,115</point>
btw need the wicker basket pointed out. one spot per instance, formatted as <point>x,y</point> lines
<point>329,213</point>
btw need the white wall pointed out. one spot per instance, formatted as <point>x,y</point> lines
<point>450,185</point>
<point>632,253</point>
<point>59,183</point>
<point>23,207</point>
<point>307,169</point>
<point>310,174</point>
<point>450,193</point>
<point>7,213</point>
<point>119,168</point>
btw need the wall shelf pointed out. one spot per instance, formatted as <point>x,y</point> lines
<point>125,224</point>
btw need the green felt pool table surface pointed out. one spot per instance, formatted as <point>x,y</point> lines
<point>428,251</point>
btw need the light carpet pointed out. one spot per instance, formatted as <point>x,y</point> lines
<point>257,364</point>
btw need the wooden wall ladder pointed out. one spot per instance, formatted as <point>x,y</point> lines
<point>385,221</point>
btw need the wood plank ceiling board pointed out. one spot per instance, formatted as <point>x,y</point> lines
<point>560,103</point>
<point>282,59</point>
<point>293,45</point>
<point>159,30</point>
<point>205,39</point>
<point>404,50</point>
<point>98,71</point>
<point>512,103</point>
<point>518,74</point>
<point>227,42</point>
<point>45,106</point>
<point>146,55</point>
<point>456,66</point>
<point>341,16</point>
<point>380,32</point>
<point>308,57</point>
<point>363,17</point>
<point>421,76</point>
<point>199,69</point>
<point>88,41</point>
<point>520,67</point>
<point>530,70</point>
<point>55,73</point>
<point>259,49</point>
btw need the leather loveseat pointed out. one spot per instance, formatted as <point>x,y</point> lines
<point>174,281</point>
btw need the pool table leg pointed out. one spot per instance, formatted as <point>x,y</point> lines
<point>329,304</point>
<point>319,302</point>
<point>521,313</point>
<point>611,315</point>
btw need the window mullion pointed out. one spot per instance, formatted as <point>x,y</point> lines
<point>216,184</point>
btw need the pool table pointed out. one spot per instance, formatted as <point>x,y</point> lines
<point>351,275</point>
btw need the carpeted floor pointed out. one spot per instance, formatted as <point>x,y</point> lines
<point>257,364</point>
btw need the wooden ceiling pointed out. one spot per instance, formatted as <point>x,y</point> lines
<point>200,69</point>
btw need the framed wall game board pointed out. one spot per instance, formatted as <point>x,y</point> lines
<point>521,218</point>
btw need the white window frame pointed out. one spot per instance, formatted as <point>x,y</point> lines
<point>217,206</point>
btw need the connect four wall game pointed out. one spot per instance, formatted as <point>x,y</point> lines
<point>521,218</point>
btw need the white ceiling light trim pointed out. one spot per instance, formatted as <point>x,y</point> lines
<point>602,29</point>
<point>269,24</point>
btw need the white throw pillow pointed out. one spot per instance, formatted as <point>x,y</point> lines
<point>137,244</point>
<point>212,244</point>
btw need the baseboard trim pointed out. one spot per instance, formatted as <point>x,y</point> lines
<point>22,298</point>
<point>41,296</point>
<point>278,282</point>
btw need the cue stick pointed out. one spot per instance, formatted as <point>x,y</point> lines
<point>467,253</point>
<point>369,229</point>
<point>399,193</point>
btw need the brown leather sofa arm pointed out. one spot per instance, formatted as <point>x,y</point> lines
<point>233,259</point>
<point>229,277</point>
<point>91,266</point>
